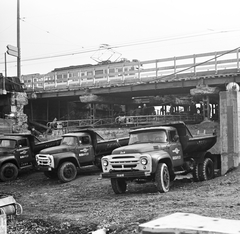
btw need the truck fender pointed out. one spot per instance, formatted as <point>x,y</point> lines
<point>200,156</point>
<point>161,156</point>
<point>66,156</point>
<point>9,159</point>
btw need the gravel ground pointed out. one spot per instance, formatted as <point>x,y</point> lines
<point>88,203</point>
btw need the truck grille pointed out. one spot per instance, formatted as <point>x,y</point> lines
<point>43,160</point>
<point>127,162</point>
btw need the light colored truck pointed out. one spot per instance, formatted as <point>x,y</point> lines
<point>158,153</point>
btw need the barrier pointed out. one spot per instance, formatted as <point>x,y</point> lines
<point>8,207</point>
<point>179,223</point>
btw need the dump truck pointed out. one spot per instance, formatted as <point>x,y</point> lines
<point>18,151</point>
<point>158,153</point>
<point>78,149</point>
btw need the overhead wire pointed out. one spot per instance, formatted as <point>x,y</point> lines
<point>93,49</point>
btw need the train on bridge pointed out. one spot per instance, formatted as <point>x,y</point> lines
<point>126,72</point>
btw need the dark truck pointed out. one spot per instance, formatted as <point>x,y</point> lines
<point>17,153</point>
<point>158,153</point>
<point>77,149</point>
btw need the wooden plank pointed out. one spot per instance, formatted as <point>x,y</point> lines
<point>190,223</point>
<point>7,201</point>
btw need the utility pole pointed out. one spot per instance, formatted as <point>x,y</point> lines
<point>4,88</point>
<point>5,57</point>
<point>18,42</point>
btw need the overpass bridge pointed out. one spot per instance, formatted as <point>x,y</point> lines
<point>129,82</point>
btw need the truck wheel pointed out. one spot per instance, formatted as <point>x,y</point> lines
<point>118,185</point>
<point>195,173</point>
<point>67,172</point>
<point>162,178</point>
<point>51,174</point>
<point>206,170</point>
<point>8,172</point>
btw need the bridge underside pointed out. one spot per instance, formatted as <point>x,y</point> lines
<point>93,102</point>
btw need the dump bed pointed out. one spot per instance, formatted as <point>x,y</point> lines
<point>189,142</point>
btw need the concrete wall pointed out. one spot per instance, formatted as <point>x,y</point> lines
<point>229,129</point>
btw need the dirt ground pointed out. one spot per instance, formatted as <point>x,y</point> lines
<point>88,203</point>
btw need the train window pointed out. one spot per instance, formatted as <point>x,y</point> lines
<point>65,75</point>
<point>59,76</point>
<point>98,72</point>
<point>111,71</point>
<point>75,74</point>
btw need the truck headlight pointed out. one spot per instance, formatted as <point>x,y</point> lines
<point>144,161</point>
<point>105,163</point>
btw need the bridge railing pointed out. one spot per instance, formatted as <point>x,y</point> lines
<point>154,119</point>
<point>124,73</point>
<point>74,124</point>
<point>68,125</point>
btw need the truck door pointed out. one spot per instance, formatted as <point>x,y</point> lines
<point>23,152</point>
<point>85,151</point>
<point>175,149</point>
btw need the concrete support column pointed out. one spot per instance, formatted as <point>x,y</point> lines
<point>92,111</point>
<point>229,130</point>
<point>206,111</point>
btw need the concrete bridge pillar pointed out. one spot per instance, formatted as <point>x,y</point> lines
<point>229,130</point>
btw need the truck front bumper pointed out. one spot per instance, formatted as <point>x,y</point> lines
<point>126,174</point>
<point>41,168</point>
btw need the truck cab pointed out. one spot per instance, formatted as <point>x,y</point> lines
<point>81,145</point>
<point>17,152</point>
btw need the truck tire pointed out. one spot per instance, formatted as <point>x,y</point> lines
<point>119,186</point>
<point>51,174</point>
<point>8,172</point>
<point>206,170</point>
<point>195,173</point>
<point>67,171</point>
<point>162,178</point>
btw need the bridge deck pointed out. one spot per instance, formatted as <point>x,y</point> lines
<point>127,73</point>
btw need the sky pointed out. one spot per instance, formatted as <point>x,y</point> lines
<point>61,33</point>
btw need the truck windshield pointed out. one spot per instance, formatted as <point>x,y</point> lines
<point>159,136</point>
<point>69,140</point>
<point>7,144</point>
